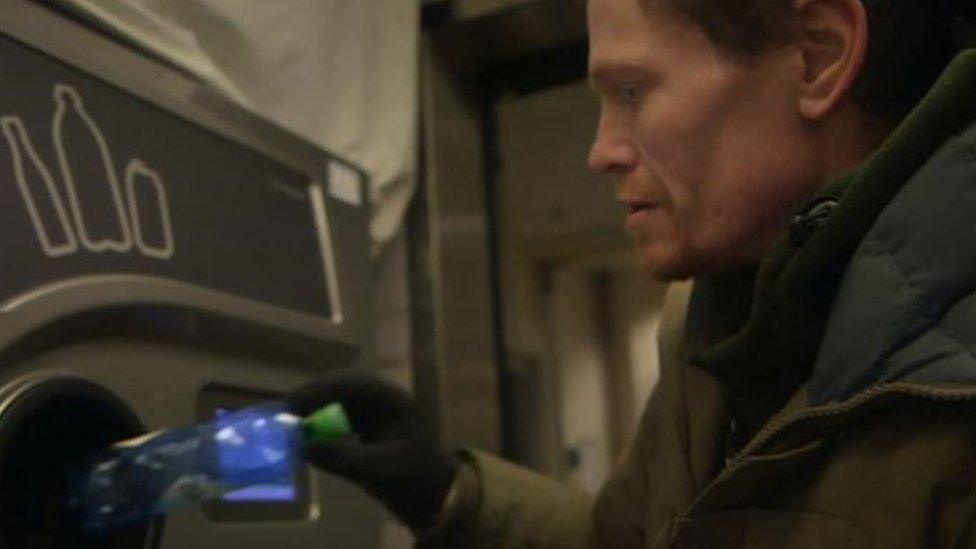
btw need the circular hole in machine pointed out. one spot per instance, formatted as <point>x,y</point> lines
<point>48,428</point>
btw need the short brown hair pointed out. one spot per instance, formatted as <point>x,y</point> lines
<point>911,41</point>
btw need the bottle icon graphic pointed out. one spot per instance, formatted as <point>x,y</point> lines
<point>151,226</point>
<point>38,191</point>
<point>89,175</point>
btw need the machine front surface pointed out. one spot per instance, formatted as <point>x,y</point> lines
<point>167,257</point>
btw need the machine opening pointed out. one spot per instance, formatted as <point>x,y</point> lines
<point>48,428</point>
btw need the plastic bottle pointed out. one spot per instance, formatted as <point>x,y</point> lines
<point>137,479</point>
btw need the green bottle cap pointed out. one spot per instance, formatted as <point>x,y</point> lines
<point>328,423</point>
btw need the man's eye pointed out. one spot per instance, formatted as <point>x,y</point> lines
<point>630,94</point>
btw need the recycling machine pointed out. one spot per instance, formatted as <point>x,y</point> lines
<point>165,256</point>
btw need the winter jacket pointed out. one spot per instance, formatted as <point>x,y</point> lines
<point>842,410</point>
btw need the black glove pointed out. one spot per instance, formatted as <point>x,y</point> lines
<point>391,458</point>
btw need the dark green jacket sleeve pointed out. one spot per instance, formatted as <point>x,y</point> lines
<point>498,504</point>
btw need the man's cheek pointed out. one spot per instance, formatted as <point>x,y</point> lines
<point>681,154</point>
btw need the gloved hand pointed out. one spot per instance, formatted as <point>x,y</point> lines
<point>391,459</point>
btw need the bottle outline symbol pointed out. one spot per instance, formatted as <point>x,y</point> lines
<point>137,171</point>
<point>68,101</point>
<point>20,144</point>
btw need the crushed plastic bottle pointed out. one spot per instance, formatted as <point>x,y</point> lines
<point>138,479</point>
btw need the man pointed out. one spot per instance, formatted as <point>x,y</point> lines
<point>827,399</point>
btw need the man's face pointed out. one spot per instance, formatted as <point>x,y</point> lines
<point>709,153</point>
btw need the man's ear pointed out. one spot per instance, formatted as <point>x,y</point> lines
<point>832,36</point>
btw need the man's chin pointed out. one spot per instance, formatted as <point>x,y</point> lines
<point>666,266</point>
<point>682,263</point>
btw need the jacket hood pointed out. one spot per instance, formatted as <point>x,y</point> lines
<point>877,291</point>
<point>905,309</point>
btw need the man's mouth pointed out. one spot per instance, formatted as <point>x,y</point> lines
<point>639,215</point>
<point>637,207</point>
<point>634,207</point>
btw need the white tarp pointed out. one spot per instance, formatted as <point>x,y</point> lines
<point>342,73</point>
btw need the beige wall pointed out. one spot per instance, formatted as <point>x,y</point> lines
<point>529,348</point>
<point>580,319</point>
<point>605,328</point>
<point>635,302</point>
<point>580,351</point>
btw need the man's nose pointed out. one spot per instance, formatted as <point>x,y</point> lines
<point>611,153</point>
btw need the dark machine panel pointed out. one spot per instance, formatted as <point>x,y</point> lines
<point>94,181</point>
